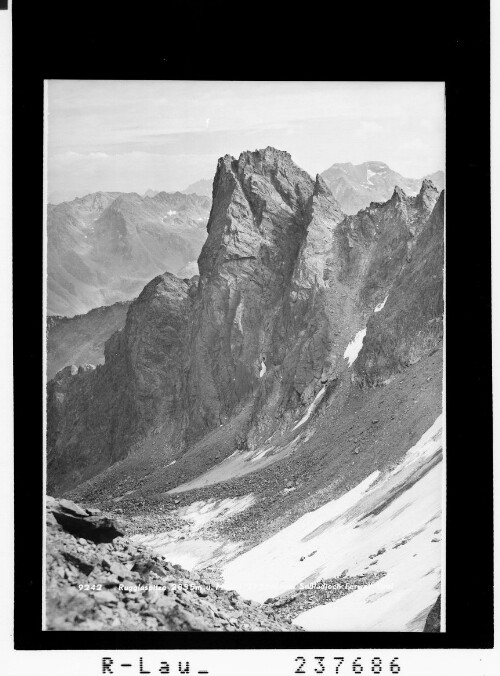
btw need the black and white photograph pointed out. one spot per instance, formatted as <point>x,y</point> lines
<point>249,292</point>
<point>244,356</point>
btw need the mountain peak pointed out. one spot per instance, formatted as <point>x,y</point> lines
<point>427,186</point>
<point>428,195</point>
<point>268,154</point>
<point>274,165</point>
<point>320,187</point>
<point>375,165</point>
<point>264,159</point>
<point>398,194</point>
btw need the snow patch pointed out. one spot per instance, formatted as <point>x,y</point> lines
<point>200,513</point>
<point>170,212</point>
<point>381,305</point>
<point>172,463</point>
<point>261,454</point>
<point>263,368</point>
<point>354,347</point>
<point>194,550</point>
<point>311,408</point>
<point>369,174</point>
<point>189,554</point>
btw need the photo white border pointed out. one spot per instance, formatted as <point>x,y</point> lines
<point>87,663</point>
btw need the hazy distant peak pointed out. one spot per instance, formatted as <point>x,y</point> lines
<point>202,187</point>
<point>355,186</point>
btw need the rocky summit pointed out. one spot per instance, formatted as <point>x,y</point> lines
<point>236,411</point>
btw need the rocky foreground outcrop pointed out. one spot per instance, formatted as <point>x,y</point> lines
<point>286,281</point>
<point>112,585</point>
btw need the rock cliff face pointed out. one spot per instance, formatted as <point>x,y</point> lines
<point>377,242</point>
<point>411,321</point>
<point>285,283</point>
<point>259,278</point>
<point>95,415</point>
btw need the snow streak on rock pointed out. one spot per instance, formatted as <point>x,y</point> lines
<point>311,408</point>
<point>354,347</point>
<point>380,306</point>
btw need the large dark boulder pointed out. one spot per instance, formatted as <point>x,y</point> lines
<point>81,522</point>
<point>95,528</point>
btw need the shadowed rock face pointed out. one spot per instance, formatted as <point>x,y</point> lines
<point>433,621</point>
<point>259,274</point>
<point>94,415</point>
<point>285,280</point>
<point>375,244</point>
<point>411,322</point>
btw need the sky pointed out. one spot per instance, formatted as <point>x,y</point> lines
<point>129,136</point>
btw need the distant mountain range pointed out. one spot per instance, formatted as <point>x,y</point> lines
<point>202,187</point>
<point>355,186</point>
<point>80,339</point>
<point>104,247</point>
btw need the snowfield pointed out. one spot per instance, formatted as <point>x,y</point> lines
<point>394,518</point>
<point>193,550</point>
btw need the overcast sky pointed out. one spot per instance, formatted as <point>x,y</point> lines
<point>133,135</point>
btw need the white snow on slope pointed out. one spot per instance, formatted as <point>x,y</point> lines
<point>190,553</point>
<point>381,305</point>
<point>194,550</point>
<point>170,212</point>
<point>398,511</point>
<point>311,408</point>
<point>263,369</point>
<point>369,174</point>
<point>200,513</point>
<point>354,347</point>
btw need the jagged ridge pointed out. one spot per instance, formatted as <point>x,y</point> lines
<point>285,281</point>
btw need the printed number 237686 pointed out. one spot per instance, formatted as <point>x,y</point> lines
<point>340,665</point>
